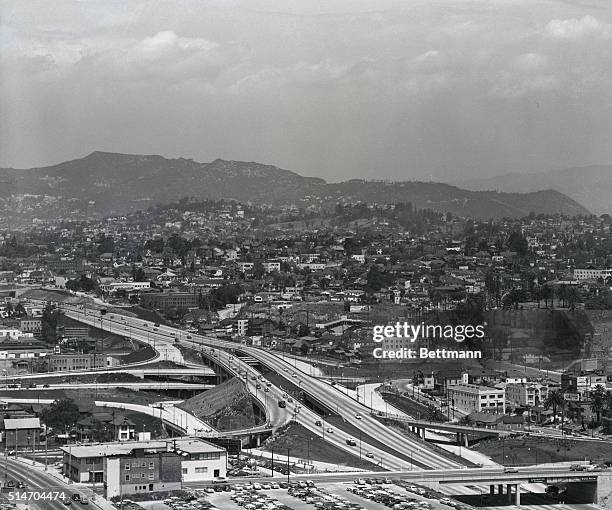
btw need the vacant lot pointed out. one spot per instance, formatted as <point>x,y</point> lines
<point>538,450</point>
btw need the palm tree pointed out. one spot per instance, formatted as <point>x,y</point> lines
<point>597,401</point>
<point>554,400</point>
<point>607,400</point>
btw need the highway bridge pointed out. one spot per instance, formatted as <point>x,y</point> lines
<point>199,371</point>
<point>397,450</point>
<point>161,385</point>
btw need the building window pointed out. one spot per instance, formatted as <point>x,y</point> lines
<point>127,467</point>
<point>151,476</point>
<point>201,470</point>
<point>151,465</point>
<point>127,478</point>
<point>185,471</point>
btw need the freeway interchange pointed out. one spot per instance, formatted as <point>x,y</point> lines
<point>394,450</point>
<point>404,456</point>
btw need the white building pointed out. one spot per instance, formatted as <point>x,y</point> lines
<point>526,394</point>
<point>472,397</point>
<point>592,274</point>
<point>130,467</point>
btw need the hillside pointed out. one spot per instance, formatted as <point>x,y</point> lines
<point>590,185</point>
<point>106,183</point>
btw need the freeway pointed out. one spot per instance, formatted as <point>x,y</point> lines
<point>407,452</point>
<point>166,411</point>
<point>159,385</point>
<point>41,483</point>
<point>198,371</point>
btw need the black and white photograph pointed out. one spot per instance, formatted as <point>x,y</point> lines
<point>305,254</point>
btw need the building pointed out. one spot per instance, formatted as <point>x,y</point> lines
<point>31,325</point>
<point>592,274</point>
<point>76,361</point>
<point>472,397</point>
<point>526,394</point>
<point>134,467</point>
<point>21,433</point>
<point>13,334</point>
<point>113,286</point>
<point>167,300</point>
<point>22,357</point>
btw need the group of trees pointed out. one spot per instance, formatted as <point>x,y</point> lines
<point>60,414</point>
<point>83,284</point>
<point>218,298</point>
<point>600,404</point>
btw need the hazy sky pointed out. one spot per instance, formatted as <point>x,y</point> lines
<point>427,89</point>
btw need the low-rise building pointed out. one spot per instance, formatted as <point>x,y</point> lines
<point>76,362</point>
<point>134,467</point>
<point>21,433</point>
<point>526,394</point>
<point>472,397</point>
<point>167,300</point>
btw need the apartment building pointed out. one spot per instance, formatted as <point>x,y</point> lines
<point>473,397</point>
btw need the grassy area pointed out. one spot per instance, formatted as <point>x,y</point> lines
<point>304,444</point>
<point>414,408</point>
<point>532,450</point>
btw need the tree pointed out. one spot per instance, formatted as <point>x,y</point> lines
<point>554,400</point>
<point>518,242</point>
<point>49,324</point>
<point>597,401</point>
<point>61,414</point>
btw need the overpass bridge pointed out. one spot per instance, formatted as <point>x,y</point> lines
<point>420,426</point>
<point>162,385</point>
<point>141,373</point>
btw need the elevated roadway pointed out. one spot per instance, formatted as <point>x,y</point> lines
<point>400,452</point>
<point>162,385</point>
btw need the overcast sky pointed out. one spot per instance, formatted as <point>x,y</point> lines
<point>411,89</point>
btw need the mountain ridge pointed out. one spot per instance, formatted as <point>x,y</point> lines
<point>590,184</point>
<point>118,182</point>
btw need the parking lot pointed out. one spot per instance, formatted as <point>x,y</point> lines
<point>362,494</point>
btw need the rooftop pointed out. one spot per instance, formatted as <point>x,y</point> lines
<point>188,445</point>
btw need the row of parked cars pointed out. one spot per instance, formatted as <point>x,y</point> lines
<point>323,499</point>
<point>251,498</point>
<point>389,498</point>
<point>430,494</point>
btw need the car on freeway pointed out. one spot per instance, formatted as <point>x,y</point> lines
<point>511,470</point>
<point>330,430</point>
<point>358,416</point>
<point>369,455</point>
<point>318,423</point>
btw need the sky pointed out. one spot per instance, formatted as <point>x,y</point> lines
<point>411,89</point>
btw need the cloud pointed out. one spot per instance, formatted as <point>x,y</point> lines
<point>167,43</point>
<point>574,28</point>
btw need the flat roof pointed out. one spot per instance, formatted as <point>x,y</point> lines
<point>116,448</point>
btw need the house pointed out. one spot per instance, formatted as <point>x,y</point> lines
<point>21,433</point>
